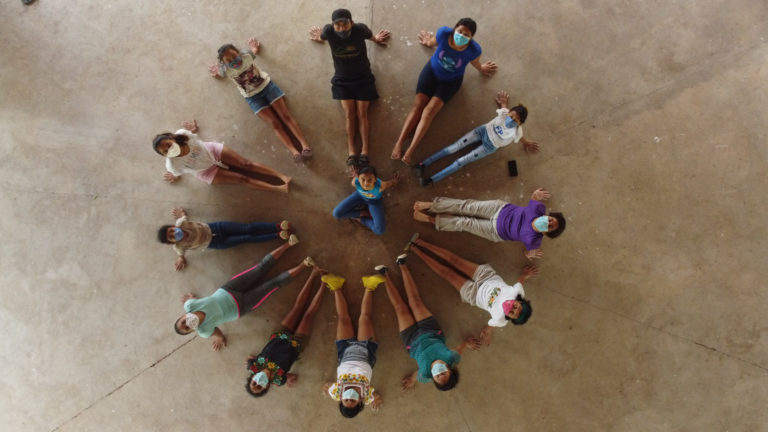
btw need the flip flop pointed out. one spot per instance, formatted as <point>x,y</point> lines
<point>352,160</point>
<point>306,153</point>
<point>362,160</point>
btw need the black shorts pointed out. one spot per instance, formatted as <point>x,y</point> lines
<point>431,86</point>
<point>362,89</point>
<point>425,326</point>
<point>370,345</point>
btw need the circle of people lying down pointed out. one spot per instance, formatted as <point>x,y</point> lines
<point>354,85</point>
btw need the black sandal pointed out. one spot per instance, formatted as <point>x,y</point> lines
<point>362,160</point>
<point>352,160</point>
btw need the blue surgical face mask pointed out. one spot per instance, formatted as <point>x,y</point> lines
<point>510,122</point>
<point>236,62</point>
<point>350,394</point>
<point>261,379</point>
<point>438,368</point>
<point>178,234</point>
<point>343,34</point>
<point>460,39</point>
<point>541,223</point>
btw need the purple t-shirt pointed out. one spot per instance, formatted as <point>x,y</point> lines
<point>447,63</point>
<point>514,223</point>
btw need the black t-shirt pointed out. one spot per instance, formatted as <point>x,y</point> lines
<point>350,56</point>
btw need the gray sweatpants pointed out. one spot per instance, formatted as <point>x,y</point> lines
<point>472,216</point>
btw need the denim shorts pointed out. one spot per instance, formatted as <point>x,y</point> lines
<point>265,98</point>
<point>360,348</point>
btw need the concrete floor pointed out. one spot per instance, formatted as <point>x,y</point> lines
<point>649,310</point>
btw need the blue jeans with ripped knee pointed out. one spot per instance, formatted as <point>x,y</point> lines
<point>476,136</point>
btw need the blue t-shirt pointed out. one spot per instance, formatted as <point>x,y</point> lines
<point>219,307</point>
<point>430,347</point>
<point>447,63</point>
<point>373,194</point>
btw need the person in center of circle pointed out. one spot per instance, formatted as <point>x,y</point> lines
<point>368,194</point>
<point>440,79</point>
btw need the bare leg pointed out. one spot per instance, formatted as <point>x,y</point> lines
<point>229,157</point>
<point>423,217</point>
<point>270,117</point>
<point>305,326</point>
<point>365,329</point>
<point>291,319</point>
<point>362,122</point>
<point>344,329</point>
<point>411,120</point>
<point>277,253</point>
<point>461,264</point>
<point>420,311</point>
<point>350,124</point>
<point>225,176</point>
<point>445,272</point>
<point>404,317</point>
<point>282,111</point>
<point>427,115</point>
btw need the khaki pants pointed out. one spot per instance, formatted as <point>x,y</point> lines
<point>472,216</point>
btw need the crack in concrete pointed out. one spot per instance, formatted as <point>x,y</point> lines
<point>123,384</point>
<point>666,332</point>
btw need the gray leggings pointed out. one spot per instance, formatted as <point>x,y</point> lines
<point>472,216</point>
<point>246,289</point>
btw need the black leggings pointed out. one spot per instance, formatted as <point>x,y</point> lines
<point>246,289</point>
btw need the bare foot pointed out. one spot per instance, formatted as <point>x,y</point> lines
<point>422,206</point>
<point>283,188</point>
<point>286,179</point>
<point>397,153</point>
<point>406,159</point>
<point>421,217</point>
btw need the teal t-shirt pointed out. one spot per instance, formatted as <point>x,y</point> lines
<point>218,307</point>
<point>428,348</point>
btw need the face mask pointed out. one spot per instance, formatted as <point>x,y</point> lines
<point>350,394</point>
<point>178,234</point>
<point>173,151</point>
<point>541,223</point>
<point>261,379</point>
<point>508,306</point>
<point>236,62</point>
<point>192,320</point>
<point>510,123</point>
<point>343,34</point>
<point>438,368</point>
<point>460,39</point>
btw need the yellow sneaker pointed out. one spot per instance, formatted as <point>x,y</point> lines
<point>371,282</point>
<point>333,281</point>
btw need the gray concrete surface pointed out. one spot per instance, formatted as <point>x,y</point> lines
<point>649,310</point>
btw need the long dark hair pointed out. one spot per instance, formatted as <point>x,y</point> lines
<point>179,139</point>
<point>560,225</point>
<point>351,412</point>
<point>452,381</point>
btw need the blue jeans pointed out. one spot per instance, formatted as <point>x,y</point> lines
<point>229,234</point>
<point>348,209</point>
<point>477,135</point>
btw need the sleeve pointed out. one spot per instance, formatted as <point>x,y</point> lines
<point>249,364</point>
<point>188,305</point>
<point>378,183</point>
<point>222,70</point>
<point>327,31</point>
<point>180,220</point>
<point>179,251</point>
<point>441,32</point>
<point>455,358</point>
<point>477,50</point>
<point>493,322</point>
<point>519,134</point>
<point>365,31</point>
<point>169,167</point>
<point>369,398</point>
<point>333,392</point>
<point>538,206</point>
<point>502,113</point>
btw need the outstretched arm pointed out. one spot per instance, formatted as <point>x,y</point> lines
<point>381,37</point>
<point>290,379</point>
<point>529,146</point>
<point>254,45</point>
<point>487,68</point>
<point>409,381</point>
<point>391,183</point>
<point>529,271</point>
<point>486,334</point>
<point>540,194</point>
<point>180,263</point>
<point>471,342</point>
<point>314,34</point>
<point>218,340</point>
<point>427,39</point>
<point>533,254</point>
<point>376,404</point>
<point>178,212</point>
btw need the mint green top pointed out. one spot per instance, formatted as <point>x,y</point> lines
<point>428,348</point>
<point>219,307</point>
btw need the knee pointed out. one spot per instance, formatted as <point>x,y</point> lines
<point>429,111</point>
<point>275,123</point>
<point>378,229</point>
<point>402,309</point>
<point>362,114</point>
<point>337,213</point>
<point>349,113</point>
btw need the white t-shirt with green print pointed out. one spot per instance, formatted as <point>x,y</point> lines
<point>492,294</point>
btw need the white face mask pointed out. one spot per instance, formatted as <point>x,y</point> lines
<point>173,151</point>
<point>192,320</point>
<point>260,379</point>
